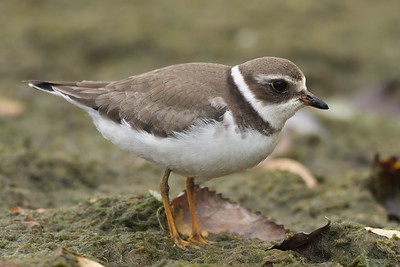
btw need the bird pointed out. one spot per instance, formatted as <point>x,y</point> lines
<point>198,120</point>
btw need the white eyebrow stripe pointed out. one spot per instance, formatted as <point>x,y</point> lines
<point>299,84</point>
<point>265,78</point>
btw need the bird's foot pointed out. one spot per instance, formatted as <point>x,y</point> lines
<point>183,244</point>
<point>198,238</point>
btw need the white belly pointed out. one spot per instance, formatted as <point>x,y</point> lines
<point>205,151</point>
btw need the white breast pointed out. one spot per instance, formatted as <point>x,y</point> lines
<point>205,151</point>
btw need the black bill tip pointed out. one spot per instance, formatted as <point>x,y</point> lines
<point>313,101</point>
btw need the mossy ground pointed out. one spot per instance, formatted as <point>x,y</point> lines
<point>95,195</point>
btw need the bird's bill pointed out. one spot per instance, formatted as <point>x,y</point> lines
<point>313,101</point>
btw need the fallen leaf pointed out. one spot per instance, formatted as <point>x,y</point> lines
<point>40,210</point>
<point>10,107</point>
<point>30,222</point>
<point>17,209</point>
<point>383,232</point>
<point>156,195</point>
<point>85,262</point>
<point>22,211</point>
<point>285,164</point>
<point>217,214</point>
<point>300,239</point>
<point>82,261</point>
<point>61,251</point>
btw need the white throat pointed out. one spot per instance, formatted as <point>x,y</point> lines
<point>275,114</point>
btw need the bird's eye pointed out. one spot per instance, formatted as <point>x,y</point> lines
<point>279,86</point>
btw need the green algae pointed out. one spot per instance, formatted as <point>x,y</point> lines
<point>350,244</point>
<point>119,231</point>
<point>125,231</point>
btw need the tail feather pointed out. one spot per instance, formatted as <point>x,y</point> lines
<point>40,85</point>
<point>82,94</point>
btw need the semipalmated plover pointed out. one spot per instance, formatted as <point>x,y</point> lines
<point>199,120</point>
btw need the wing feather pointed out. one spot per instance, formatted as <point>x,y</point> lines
<point>161,102</point>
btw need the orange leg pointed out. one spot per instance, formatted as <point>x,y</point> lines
<point>196,235</point>
<point>164,191</point>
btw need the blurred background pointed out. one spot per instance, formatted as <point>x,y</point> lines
<point>349,51</point>
<point>342,47</point>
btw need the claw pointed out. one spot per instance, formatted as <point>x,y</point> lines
<point>198,239</point>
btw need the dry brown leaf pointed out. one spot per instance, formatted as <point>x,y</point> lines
<point>61,251</point>
<point>22,211</point>
<point>40,210</point>
<point>10,107</point>
<point>383,232</point>
<point>17,209</point>
<point>285,164</point>
<point>83,262</point>
<point>30,222</point>
<point>217,214</point>
<point>300,239</point>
